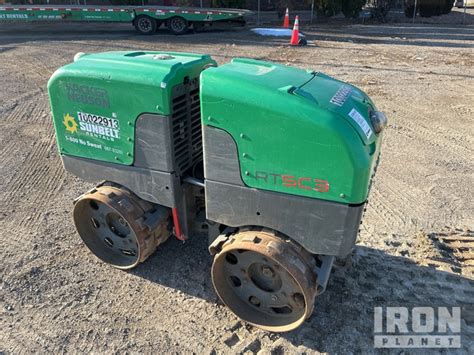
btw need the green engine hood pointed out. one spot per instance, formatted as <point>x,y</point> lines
<point>96,100</point>
<point>298,132</point>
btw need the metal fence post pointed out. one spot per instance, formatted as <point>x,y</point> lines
<point>464,15</point>
<point>414,12</point>
<point>258,12</point>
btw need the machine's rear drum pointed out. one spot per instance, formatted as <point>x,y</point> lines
<point>111,222</point>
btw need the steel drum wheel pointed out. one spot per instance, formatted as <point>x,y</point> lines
<point>108,219</point>
<point>265,280</point>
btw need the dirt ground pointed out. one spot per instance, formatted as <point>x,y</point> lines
<point>416,246</point>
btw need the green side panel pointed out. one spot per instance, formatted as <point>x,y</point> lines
<point>115,13</point>
<point>96,100</point>
<point>64,14</point>
<point>297,132</point>
<point>122,15</point>
<point>192,14</point>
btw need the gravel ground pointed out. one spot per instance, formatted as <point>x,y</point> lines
<point>416,246</point>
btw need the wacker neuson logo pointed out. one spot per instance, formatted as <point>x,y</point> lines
<point>418,327</point>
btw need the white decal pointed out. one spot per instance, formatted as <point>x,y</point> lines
<point>14,16</point>
<point>359,119</point>
<point>104,127</point>
<point>341,95</point>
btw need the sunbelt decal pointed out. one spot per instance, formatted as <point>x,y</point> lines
<point>70,123</point>
<point>93,125</point>
<point>13,16</point>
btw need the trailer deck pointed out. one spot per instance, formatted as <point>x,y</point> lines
<point>146,19</point>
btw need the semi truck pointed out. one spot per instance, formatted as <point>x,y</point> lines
<point>146,19</point>
<point>273,163</point>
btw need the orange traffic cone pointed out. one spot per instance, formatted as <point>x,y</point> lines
<point>295,34</point>
<point>286,21</point>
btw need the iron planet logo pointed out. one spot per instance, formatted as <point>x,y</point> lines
<point>418,327</point>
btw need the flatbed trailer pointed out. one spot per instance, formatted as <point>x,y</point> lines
<point>146,19</point>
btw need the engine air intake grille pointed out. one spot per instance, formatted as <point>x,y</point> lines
<point>186,125</point>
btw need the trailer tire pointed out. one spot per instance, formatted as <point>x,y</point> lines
<point>177,25</point>
<point>145,24</point>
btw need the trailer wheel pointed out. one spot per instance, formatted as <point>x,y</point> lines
<point>177,25</point>
<point>145,25</point>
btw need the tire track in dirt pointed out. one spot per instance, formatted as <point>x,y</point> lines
<point>7,152</point>
<point>10,104</point>
<point>28,120</point>
<point>441,139</point>
<point>403,193</point>
<point>31,170</point>
<point>28,67</point>
<point>20,111</point>
<point>449,250</point>
<point>461,110</point>
<point>380,206</point>
<point>50,179</point>
<point>394,189</point>
<point>455,248</point>
<point>390,193</point>
<point>45,174</point>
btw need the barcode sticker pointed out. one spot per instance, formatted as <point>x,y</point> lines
<point>359,119</point>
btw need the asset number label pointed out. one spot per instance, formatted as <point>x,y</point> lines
<point>361,122</point>
<point>98,120</point>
